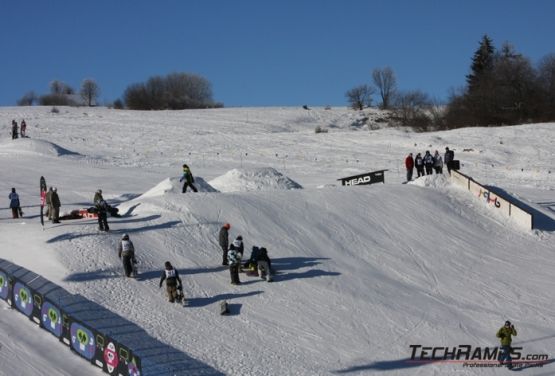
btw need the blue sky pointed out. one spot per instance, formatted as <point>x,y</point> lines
<point>260,52</point>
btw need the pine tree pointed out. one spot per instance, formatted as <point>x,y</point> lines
<point>482,62</point>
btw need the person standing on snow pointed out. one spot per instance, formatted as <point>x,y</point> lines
<point>97,196</point>
<point>23,128</point>
<point>49,203</point>
<point>409,165</point>
<point>126,252</point>
<point>438,163</point>
<point>234,258</point>
<point>428,162</point>
<point>189,179</point>
<point>223,240</point>
<point>238,245</point>
<point>55,202</point>
<point>102,213</point>
<point>419,163</point>
<point>14,204</point>
<point>505,334</point>
<point>173,282</point>
<point>448,159</point>
<point>14,130</point>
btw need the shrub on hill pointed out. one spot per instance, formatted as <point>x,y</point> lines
<point>176,91</point>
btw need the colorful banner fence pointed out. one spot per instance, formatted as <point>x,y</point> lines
<point>93,333</point>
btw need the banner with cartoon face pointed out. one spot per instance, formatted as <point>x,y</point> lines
<point>51,318</point>
<point>82,340</point>
<point>4,287</point>
<point>23,299</point>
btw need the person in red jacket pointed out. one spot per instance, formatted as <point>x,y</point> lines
<point>409,164</point>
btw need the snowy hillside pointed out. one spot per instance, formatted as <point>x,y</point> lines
<point>363,272</point>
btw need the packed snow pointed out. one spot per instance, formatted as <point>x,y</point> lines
<point>362,273</point>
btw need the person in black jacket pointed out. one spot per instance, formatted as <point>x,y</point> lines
<point>126,252</point>
<point>174,287</point>
<point>264,265</point>
<point>223,240</point>
<point>55,202</point>
<point>102,212</point>
<point>448,159</point>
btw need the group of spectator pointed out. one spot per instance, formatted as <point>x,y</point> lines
<point>427,164</point>
<point>15,129</point>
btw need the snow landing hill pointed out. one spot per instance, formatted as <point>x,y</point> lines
<point>363,272</point>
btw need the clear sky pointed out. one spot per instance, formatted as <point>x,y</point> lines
<point>260,52</point>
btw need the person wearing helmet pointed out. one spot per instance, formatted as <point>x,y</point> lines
<point>238,245</point>
<point>224,242</point>
<point>505,334</point>
<point>126,252</point>
<point>234,259</point>
<point>174,287</point>
<point>189,179</point>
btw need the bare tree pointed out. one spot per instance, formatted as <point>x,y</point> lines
<point>385,81</point>
<point>89,91</point>
<point>412,108</point>
<point>360,96</point>
<point>28,99</point>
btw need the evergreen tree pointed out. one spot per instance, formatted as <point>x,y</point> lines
<point>482,62</point>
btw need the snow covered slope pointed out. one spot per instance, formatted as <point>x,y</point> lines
<point>363,272</point>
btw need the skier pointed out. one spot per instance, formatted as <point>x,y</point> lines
<point>126,252</point>
<point>55,203</point>
<point>224,241</point>
<point>14,204</point>
<point>102,212</point>
<point>234,258</point>
<point>428,162</point>
<point>23,128</point>
<point>174,286</point>
<point>189,179</point>
<point>438,163</point>
<point>409,164</point>
<point>505,334</point>
<point>448,159</point>
<point>419,163</point>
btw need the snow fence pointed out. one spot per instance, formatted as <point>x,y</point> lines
<point>505,206</point>
<point>90,330</point>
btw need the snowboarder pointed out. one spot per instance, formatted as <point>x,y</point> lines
<point>438,163</point>
<point>55,202</point>
<point>264,265</point>
<point>23,128</point>
<point>238,245</point>
<point>126,252</point>
<point>189,179</point>
<point>234,258</point>
<point>224,241</point>
<point>448,159</point>
<point>97,196</point>
<point>409,164</point>
<point>505,334</point>
<point>14,204</point>
<point>428,162</point>
<point>49,209</point>
<point>419,163</point>
<point>174,286</point>
<point>102,212</point>
<point>14,130</point>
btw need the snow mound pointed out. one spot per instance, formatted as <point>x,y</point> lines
<point>173,185</point>
<point>256,179</point>
<point>432,181</point>
<point>41,147</point>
